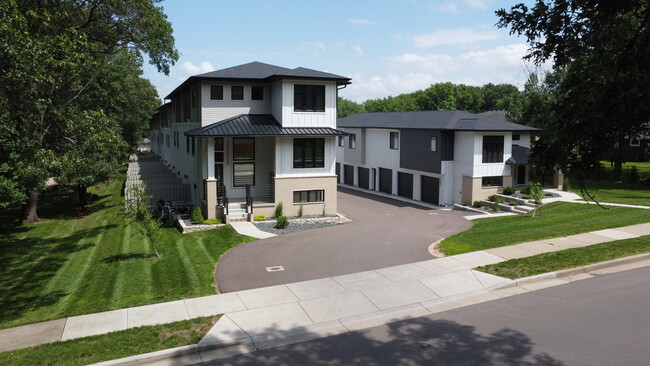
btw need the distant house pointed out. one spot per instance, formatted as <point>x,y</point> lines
<point>251,136</point>
<point>636,148</point>
<point>439,157</point>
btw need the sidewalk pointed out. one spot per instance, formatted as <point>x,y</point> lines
<point>267,317</point>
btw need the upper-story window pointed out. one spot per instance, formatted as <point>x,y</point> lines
<point>237,92</point>
<point>216,92</point>
<point>341,141</point>
<point>308,98</point>
<point>434,143</point>
<point>394,140</point>
<point>515,137</point>
<point>493,149</point>
<point>352,141</point>
<point>257,92</point>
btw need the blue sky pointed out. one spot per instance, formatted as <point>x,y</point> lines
<point>387,47</point>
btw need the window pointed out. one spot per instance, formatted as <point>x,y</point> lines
<point>309,196</point>
<point>218,158</point>
<point>243,148</point>
<point>257,92</point>
<point>243,174</point>
<point>308,153</point>
<point>493,149</point>
<point>434,143</point>
<point>216,92</point>
<point>492,181</point>
<point>187,144</point>
<point>237,92</point>
<point>515,137</point>
<point>341,141</point>
<point>394,140</point>
<point>352,141</point>
<point>193,146</point>
<point>635,142</point>
<point>308,98</point>
<point>167,140</point>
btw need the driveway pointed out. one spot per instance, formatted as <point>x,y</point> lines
<point>383,232</point>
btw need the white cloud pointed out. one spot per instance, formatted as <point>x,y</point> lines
<point>358,50</point>
<point>316,48</point>
<point>453,36</point>
<point>477,4</point>
<point>449,7</point>
<point>397,36</point>
<point>360,21</point>
<point>191,69</point>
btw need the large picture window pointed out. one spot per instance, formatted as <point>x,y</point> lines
<point>243,174</point>
<point>308,98</point>
<point>309,153</point>
<point>243,149</point>
<point>492,181</point>
<point>493,149</point>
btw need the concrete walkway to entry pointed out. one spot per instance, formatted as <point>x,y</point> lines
<point>270,316</point>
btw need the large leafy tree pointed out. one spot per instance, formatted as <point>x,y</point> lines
<point>51,54</point>
<point>602,49</point>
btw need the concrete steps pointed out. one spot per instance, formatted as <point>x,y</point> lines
<point>237,212</point>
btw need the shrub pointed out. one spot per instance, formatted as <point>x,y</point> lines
<point>281,222</point>
<point>566,185</point>
<point>278,210</point>
<point>477,204</point>
<point>509,191</point>
<point>197,216</point>
<point>548,194</point>
<point>300,211</point>
<point>212,222</point>
<point>259,218</point>
<point>513,203</point>
<point>493,198</point>
<point>526,196</point>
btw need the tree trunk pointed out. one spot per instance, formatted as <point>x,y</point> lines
<point>618,168</point>
<point>29,210</point>
<point>83,197</point>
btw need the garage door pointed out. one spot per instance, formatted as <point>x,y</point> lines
<point>386,180</point>
<point>349,174</point>
<point>405,185</point>
<point>364,177</point>
<point>430,190</point>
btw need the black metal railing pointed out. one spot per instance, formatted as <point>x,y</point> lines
<point>263,193</point>
<point>249,199</point>
<point>222,196</point>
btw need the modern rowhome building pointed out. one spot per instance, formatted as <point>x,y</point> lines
<point>252,136</point>
<point>439,157</point>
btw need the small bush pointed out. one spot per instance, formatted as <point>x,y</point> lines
<point>197,215</point>
<point>548,194</point>
<point>526,196</point>
<point>300,211</point>
<point>278,210</point>
<point>566,185</point>
<point>212,222</point>
<point>513,203</point>
<point>477,204</point>
<point>509,191</point>
<point>259,218</point>
<point>281,222</point>
<point>493,198</point>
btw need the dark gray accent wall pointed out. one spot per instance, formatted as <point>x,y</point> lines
<point>415,150</point>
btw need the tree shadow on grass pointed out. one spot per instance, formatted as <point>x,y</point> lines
<point>126,257</point>
<point>419,341</point>
<point>27,265</point>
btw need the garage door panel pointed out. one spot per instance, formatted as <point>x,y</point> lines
<point>364,177</point>
<point>348,177</point>
<point>405,185</point>
<point>430,190</point>
<point>386,180</point>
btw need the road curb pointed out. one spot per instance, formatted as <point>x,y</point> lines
<point>601,265</point>
<point>152,356</point>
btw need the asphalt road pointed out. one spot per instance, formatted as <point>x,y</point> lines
<point>600,321</point>
<point>383,232</point>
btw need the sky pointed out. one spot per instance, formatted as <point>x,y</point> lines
<point>387,47</point>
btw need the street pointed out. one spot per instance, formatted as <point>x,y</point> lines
<point>604,320</point>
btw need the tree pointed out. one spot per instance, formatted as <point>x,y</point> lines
<point>347,108</point>
<point>137,208</point>
<point>602,49</point>
<point>50,52</point>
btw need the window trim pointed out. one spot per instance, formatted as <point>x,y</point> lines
<point>434,144</point>
<point>497,178</point>
<point>301,91</point>
<point>213,95</point>
<point>489,157</point>
<point>638,142</point>
<point>393,138</point>
<point>352,141</point>
<point>318,193</point>
<point>341,141</point>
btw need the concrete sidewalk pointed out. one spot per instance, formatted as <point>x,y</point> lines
<point>271,316</point>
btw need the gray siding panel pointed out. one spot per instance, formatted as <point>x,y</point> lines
<point>415,150</point>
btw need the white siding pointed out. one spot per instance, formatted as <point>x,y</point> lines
<point>276,100</point>
<point>217,110</point>
<point>524,140</point>
<point>481,169</point>
<point>284,159</point>
<point>378,153</point>
<point>308,119</point>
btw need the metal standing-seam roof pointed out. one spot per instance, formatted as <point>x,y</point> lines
<point>520,155</point>
<point>437,120</point>
<point>258,125</point>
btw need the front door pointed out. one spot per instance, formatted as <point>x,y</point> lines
<point>521,175</point>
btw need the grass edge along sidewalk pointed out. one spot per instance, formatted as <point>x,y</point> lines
<point>111,346</point>
<point>73,264</point>
<point>569,258</point>
<point>552,220</point>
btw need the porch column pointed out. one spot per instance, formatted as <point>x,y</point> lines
<point>558,179</point>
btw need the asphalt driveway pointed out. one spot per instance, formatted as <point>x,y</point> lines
<point>383,232</point>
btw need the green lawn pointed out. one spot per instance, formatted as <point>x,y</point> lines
<point>552,220</point>
<point>606,190</point>
<point>570,258</point>
<point>111,346</point>
<point>70,264</point>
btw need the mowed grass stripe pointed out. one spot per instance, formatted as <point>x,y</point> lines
<point>126,247</point>
<point>190,268</point>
